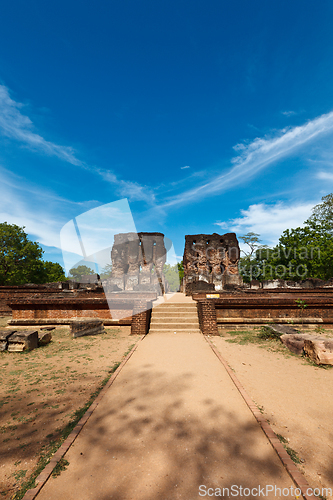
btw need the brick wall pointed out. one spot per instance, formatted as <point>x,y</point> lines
<point>207,317</point>
<point>8,293</point>
<point>141,318</point>
<point>263,307</point>
<point>61,310</point>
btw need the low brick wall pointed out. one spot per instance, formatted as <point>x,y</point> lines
<point>46,310</point>
<point>140,318</point>
<point>8,293</point>
<point>261,307</point>
<point>28,292</point>
<point>207,317</point>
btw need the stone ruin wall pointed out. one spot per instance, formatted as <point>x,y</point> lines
<point>212,259</point>
<point>137,262</point>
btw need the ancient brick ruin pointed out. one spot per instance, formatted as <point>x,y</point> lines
<point>137,262</point>
<point>211,277</point>
<point>211,259</point>
<point>125,298</point>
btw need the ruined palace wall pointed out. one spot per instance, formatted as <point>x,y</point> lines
<point>137,262</point>
<point>211,258</point>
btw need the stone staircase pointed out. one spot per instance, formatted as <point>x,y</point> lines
<point>175,317</point>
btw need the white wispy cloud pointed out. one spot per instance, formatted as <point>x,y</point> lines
<point>186,166</point>
<point>42,212</point>
<point>256,156</point>
<point>326,176</point>
<point>44,227</point>
<point>16,125</point>
<point>131,190</point>
<point>288,113</point>
<point>269,220</point>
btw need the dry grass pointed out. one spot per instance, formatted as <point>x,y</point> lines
<point>257,336</point>
<point>41,390</point>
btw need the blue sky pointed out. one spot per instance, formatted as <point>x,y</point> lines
<point>207,116</point>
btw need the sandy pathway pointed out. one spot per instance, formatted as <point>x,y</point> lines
<point>172,421</point>
<point>297,400</point>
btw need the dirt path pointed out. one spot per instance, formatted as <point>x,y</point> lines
<point>296,398</point>
<point>172,421</point>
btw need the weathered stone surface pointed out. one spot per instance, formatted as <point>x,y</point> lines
<point>138,260</point>
<point>23,340</point>
<point>295,342</point>
<point>212,258</point>
<point>90,278</point>
<point>44,337</point>
<point>4,335</point>
<point>281,330</point>
<point>80,328</point>
<point>198,287</point>
<point>319,350</point>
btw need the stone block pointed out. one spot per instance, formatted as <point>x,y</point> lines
<point>319,350</point>
<point>278,330</point>
<point>23,340</point>
<point>80,328</point>
<point>4,336</point>
<point>44,336</point>
<point>294,342</point>
<point>199,287</point>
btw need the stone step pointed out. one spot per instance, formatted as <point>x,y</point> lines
<point>174,310</point>
<point>173,324</point>
<point>172,331</point>
<point>175,317</point>
<point>175,305</point>
<point>175,321</point>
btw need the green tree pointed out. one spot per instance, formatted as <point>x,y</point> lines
<point>53,272</point>
<point>21,259</point>
<point>106,272</point>
<point>250,265</point>
<point>171,274</point>
<point>76,273</point>
<point>180,266</point>
<point>322,214</point>
<point>304,252</point>
<point>252,240</point>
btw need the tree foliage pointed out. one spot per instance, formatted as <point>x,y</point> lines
<point>248,263</point>
<point>180,267</point>
<point>106,272</point>
<point>303,252</point>
<point>76,273</point>
<point>21,259</point>
<point>53,272</point>
<point>172,275</point>
<point>322,214</point>
<point>252,240</point>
